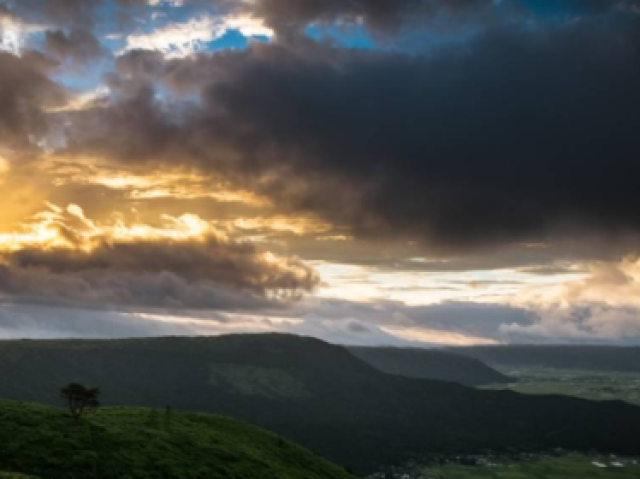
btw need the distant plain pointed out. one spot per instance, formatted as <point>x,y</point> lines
<point>594,385</point>
<point>570,467</point>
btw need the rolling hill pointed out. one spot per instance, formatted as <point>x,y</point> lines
<point>136,443</point>
<point>317,394</point>
<point>430,364</point>
<point>586,358</point>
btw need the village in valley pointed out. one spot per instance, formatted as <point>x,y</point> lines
<point>554,464</point>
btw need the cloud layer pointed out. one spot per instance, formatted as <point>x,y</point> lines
<point>474,158</point>
<point>184,265</point>
<point>491,142</point>
<point>25,93</point>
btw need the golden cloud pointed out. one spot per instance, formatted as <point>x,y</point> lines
<point>182,262</point>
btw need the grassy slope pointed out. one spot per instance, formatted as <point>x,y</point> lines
<point>578,467</point>
<point>144,443</point>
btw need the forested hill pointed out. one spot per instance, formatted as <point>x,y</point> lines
<point>430,364</point>
<point>587,358</point>
<point>317,394</point>
<point>131,443</point>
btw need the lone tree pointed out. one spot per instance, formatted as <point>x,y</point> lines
<point>80,399</point>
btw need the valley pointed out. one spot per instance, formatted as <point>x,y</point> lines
<point>548,467</point>
<point>592,385</point>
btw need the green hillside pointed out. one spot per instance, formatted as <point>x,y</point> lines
<point>130,443</point>
<point>316,394</point>
<point>430,364</point>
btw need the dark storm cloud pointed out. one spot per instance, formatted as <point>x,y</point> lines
<point>79,45</point>
<point>504,140</point>
<point>379,15</point>
<point>520,134</point>
<point>5,12</point>
<point>376,13</point>
<point>386,19</point>
<point>121,290</point>
<point>66,12</point>
<point>25,93</point>
<point>209,274</point>
<point>56,11</point>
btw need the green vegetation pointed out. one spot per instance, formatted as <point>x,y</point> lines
<point>316,394</point>
<point>79,399</point>
<point>594,385</point>
<point>430,364</point>
<point>578,467</point>
<point>131,443</point>
<point>257,381</point>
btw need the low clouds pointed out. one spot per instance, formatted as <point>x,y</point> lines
<point>604,306</point>
<point>535,320</point>
<point>184,265</point>
<point>19,321</point>
<point>37,322</point>
<point>181,275</point>
<point>538,320</point>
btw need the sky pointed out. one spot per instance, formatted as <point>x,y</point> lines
<point>398,172</point>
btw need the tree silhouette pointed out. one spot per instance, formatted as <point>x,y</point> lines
<point>80,399</point>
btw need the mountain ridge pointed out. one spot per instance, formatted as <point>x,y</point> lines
<point>435,364</point>
<point>325,398</point>
<point>567,356</point>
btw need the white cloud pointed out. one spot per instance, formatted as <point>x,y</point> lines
<point>14,33</point>
<point>604,306</point>
<point>171,3</point>
<point>183,39</point>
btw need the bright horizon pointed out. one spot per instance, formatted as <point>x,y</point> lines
<point>405,173</point>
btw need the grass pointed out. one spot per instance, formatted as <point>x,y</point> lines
<point>257,381</point>
<point>593,385</point>
<point>578,467</point>
<point>136,443</point>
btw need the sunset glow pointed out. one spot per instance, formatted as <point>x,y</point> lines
<point>334,167</point>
